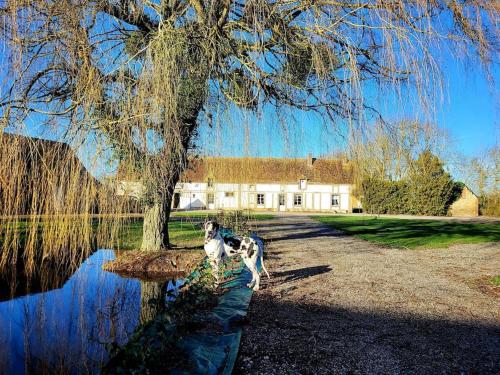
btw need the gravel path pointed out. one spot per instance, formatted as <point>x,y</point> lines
<point>337,304</point>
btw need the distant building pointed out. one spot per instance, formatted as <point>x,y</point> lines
<point>39,176</point>
<point>323,185</point>
<point>465,205</point>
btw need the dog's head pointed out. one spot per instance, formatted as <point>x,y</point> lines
<point>211,229</point>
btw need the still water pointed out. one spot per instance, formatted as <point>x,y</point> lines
<point>68,329</point>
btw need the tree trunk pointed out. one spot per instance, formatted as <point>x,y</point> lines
<point>156,216</point>
<point>155,228</point>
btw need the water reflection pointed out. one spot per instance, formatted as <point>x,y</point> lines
<point>65,330</point>
<point>15,282</point>
<point>151,299</point>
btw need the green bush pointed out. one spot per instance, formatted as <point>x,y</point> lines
<point>430,187</point>
<point>384,197</point>
<point>427,190</point>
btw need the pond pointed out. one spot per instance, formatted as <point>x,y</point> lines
<point>69,327</point>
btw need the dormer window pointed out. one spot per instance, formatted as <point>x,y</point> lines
<point>210,182</point>
<point>303,184</point>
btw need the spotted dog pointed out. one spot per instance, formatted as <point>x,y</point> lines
<point>218,248</point>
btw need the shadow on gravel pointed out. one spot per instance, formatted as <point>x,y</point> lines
<point>302,273</point>
<point>304,232</point>
<point>285,337</point>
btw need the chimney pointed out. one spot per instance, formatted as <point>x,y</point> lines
<point>310,160</point>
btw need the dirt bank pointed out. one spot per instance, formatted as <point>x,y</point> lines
<point>155,265</point>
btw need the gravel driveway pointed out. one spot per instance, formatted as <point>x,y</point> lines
<point>337,304</point>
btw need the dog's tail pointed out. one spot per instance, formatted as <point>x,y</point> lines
<point>262,264</point>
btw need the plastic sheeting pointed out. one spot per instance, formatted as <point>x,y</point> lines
<point>215,352</point>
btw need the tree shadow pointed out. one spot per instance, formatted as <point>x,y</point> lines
<point>302,273</point>
<point>298,231</point>
<point>393,230</point>
<point>321,338</point>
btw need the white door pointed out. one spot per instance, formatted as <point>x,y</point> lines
<point>281,201</point>
<point>317,201</point>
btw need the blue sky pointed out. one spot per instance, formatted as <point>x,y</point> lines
<point>468,112</point>
<point>471,113</point>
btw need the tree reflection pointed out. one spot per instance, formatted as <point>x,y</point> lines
<point>152,299</point>
<point>45,276</point>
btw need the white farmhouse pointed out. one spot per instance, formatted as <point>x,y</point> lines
<point>271,184</point>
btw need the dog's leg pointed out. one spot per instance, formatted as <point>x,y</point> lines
<point>256,277</point>
<point>215,270</point>
<point>262,264</point>
<point>249,264</point>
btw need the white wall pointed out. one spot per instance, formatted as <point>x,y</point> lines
<point>316,197</point>
<point>192,200</point>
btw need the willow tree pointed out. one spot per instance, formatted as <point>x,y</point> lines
<point>144,74</point>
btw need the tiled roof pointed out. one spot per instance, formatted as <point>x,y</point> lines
<point>268,170</point>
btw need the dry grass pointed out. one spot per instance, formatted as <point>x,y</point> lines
<point>156,265</point>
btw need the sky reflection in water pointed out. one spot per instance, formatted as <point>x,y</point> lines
<point>66,329</point>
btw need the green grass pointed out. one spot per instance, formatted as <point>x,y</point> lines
<point>252,216</point>
<point>415,233</point>
<point>495,280</point>
<point>182,234</point>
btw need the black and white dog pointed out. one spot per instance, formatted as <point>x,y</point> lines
<point>218,248</point>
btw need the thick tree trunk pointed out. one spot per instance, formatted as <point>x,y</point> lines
<point>170,166</point>
<point>156,215</point>
<point>155,228</point>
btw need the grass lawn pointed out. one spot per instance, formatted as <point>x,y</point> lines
<point>182,234</point>
<point>185,232</point>
<point>251,216</point>
<point>413,233</point>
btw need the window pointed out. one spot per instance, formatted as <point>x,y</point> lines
<point>260,199</point>
<point>210,182</point>
<point>210,198</point>
<point>303,184</point>
<point>297,200</point>
<point>229,194</point>
<point>281,199</point>
<point>194,195</point>
<point>335,200</point>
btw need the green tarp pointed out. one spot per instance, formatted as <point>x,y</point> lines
<point>215,353</point>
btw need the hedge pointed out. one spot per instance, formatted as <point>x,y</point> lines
<point>427,190</point>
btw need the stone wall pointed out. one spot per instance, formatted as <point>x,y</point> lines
<point>466,205</point>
